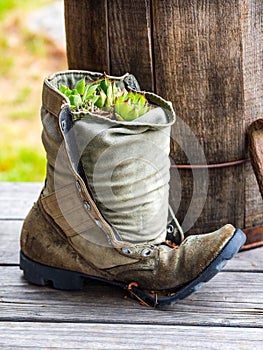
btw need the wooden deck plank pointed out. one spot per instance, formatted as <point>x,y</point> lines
<point>125,336</point>
<point>10,241</point>
<point>230,299</point>
<point>17,198</point>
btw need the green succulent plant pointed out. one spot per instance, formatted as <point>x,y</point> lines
<point>104,96</point>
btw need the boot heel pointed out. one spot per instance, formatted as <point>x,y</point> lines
<point>44,275</point>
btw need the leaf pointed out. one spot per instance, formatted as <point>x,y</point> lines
<point>65,90</point>
<point>116,91</point>
<point>80,86</point>
<point>75,100</point>
<point>94,99</point>
<point>133,114</point>
<point>89,91</point>
<point>104,84</point>
<point>109,98</point>
<point>122,108</point>
<point>101,100</point>
<point>105,93</point>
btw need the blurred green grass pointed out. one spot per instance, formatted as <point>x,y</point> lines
<point>26,59</point>
<point>7,5</point>
<point>23,164</point>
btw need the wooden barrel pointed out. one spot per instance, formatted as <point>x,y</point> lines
<point>207,58</point>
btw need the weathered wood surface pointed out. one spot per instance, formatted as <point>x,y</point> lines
<point>226,313</point>
<point>231,299</point>
<point>83,32</point>
<point>125,336</point>
<point>100,46</point>
<point>16,199</point>
<point>204,56</point>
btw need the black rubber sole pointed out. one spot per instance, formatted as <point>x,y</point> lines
<point>44,275</point>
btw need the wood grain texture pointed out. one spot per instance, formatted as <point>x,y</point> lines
<point>111,36</point>
<point>130,40</point>
<point>222,203</point>
<point>230,299</point>
<point>126,336</point>
<point>203,81</point>
<point>10,241</point>
<point>16,199</point>
<point>203,57</point>
<point>87,35</point>
<point>198,65</point>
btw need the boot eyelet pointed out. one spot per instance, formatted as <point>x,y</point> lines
<point>126,251</point>
<point>86,205</point>
<point>78,186</point>
<point>147,252</point>
<point>63,125</point>
<point>170,229</point>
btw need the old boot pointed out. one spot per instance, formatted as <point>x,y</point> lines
<point>104,215</point>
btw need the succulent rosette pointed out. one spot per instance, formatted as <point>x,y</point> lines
<point>104,96</point>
